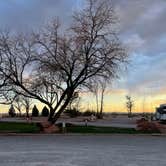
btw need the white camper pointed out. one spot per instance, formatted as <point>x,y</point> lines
<point>161,113</point>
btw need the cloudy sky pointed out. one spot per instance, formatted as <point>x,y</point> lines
<point>142,28</point>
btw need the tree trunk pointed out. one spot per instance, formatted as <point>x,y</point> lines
<point>57,115</point>
<point>27,112</point>
<point>130,112</point>
<point>53,110</point>
<point>97,103</point>
<point>50,118</point>
<point>19,112</point>
<point>101,105</point>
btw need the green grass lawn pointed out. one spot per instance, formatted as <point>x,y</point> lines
<point>103,130</point>
<point>14,127</point>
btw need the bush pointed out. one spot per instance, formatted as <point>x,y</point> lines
<point>12,111</point>
<point>89,113</point>
<point>12,114</point>
<point>45,111</point>
<point>99,115</point>
<point>73,112</point>
<point>114,114</point>
<point>35,111</point>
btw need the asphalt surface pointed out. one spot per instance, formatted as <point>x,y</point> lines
<point>82,150</point>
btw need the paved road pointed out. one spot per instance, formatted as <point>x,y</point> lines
<point>61,150</point>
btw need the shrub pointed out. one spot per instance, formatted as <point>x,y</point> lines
<point>89,113</point>
<point>45,111</point>
<point>114,114</point>
<point>12,111</point>
<point>99,115</point>
<point>35,111</point>
<point>73,112</point>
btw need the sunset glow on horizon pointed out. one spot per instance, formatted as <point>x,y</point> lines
<point>114,101</point>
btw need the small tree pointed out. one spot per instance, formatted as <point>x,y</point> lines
<point>35,111</point>
<point>45,111</point>
<point>17,103</point>
<point>27,102</point>
<point>129,105</point>
<point>12,111</point>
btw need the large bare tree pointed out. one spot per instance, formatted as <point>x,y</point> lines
<point>51,66</point>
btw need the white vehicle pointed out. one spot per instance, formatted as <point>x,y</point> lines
<point>161,113</point>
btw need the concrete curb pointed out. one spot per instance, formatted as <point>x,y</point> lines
<point>78,134</point>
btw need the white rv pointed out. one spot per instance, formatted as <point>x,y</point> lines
<point>161,113</point>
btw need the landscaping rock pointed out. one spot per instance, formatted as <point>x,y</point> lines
<point>145,126</point>
<point>48,128</point>
<point>161,127</point>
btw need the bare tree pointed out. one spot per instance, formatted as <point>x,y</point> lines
<point>129,105</point>
<point>52,66</point>
<point>95,91</point>
<point>27,103</point>
<point>98,90</point>
<point>103,88</point>
<point>17,103</point>
<point>22,102</point>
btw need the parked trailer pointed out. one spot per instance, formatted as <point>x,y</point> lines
<point>161,113</point>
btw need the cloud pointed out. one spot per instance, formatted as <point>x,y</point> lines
<point>146,74</point>
<point>142,28</point>
<point>134,43</point>
<point>121,92</point>
<point>145,19</point>
<point>20,15</point>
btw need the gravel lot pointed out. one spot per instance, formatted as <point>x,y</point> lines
<point>77,150</point>
<point>120,121</point>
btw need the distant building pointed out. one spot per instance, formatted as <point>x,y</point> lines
<point>161,112</point>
